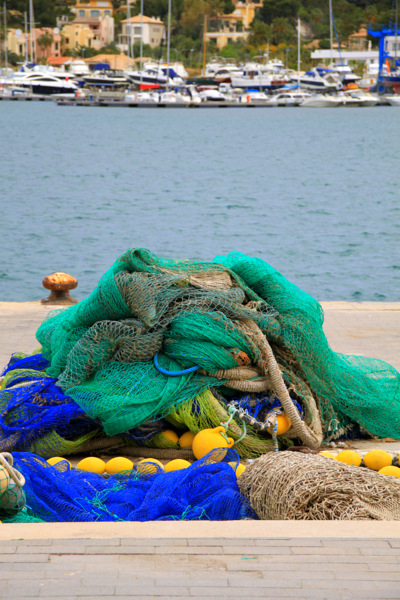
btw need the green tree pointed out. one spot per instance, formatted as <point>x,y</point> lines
<point>273,9</point>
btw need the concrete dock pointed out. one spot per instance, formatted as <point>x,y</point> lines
<point>209,560</point>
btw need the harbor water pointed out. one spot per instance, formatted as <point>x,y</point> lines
<point>314,192</point>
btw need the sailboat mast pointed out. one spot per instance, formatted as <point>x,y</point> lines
<point>31,29</point>
<point>331,30</point>
<point>168,39</point>
<point>298,52</point>
<point>26,37</point>
<point>5,36</point>
<point>129,25</point>
<point>141,41</point>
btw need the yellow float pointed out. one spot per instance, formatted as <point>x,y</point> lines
<point>377,459</point>
<point>350,457</point>
<point>118,464</point>
<point>238,469</point>
<point>186,439</point>
<point>149,466</point>
<point>210,439</point>
<point>176,465</point>
<point>327,454</point>
<point>91,464</point>
<point>390,470</point>
<point>56,459</point>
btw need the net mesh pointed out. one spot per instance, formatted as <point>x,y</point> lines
<point>207,490</point>
<point>178,340</point>
<point>290,485</point>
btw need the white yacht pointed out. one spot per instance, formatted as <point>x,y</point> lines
<point>318,81</point>
<point>153,74</point>
<point>289,98</point>
<point>393,100</point>
<point>44,84</point>
<point>271,75</point>
<point>322,101</point>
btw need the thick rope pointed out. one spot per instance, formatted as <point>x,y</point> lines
<point>308,437</point>
<point>7,461</point>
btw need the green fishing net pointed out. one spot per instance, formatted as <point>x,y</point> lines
<point>210,316</point>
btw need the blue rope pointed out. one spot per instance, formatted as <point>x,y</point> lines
<point>172,373</point>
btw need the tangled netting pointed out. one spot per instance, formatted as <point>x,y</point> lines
<point>165,341</point>
<point>207,490</point>
<point>290,485</point>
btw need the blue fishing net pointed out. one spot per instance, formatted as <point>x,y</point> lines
<point>30,412</point>
<point>207,490</point>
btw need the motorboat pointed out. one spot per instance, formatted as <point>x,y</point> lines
<point>288,98</point>
<point>271,75</point>
<point>361,98</point>
<point>44,84</point>
<point>318,80</point>
<point>153,74</point>
<point>254,96</point>
<point>393,100</point>
<point>105,78</point>
<point>322,101</point>
<point>211,95</point>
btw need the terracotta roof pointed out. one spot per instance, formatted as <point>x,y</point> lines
<point>87,20</point>
<point>138,19</point>
<point>360,33</point>
<point>58,60</point>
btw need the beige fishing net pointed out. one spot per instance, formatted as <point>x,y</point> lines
<point>291,485</point>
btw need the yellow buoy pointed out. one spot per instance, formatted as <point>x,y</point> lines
<point>148,466</point>
<point>118,464</point>
<point>390,470</point>
<point>239,469</point>
<point>92,464</point>
<point>284,424</point>
<point>186,439</point>
<point>171,435</point>
<point>209,439</point>
<point>377,459</point>
<point>4,479</point>
<point>350,457</point>
<point>327,454</point>
<point>56,459</point>
<point>176,465</point>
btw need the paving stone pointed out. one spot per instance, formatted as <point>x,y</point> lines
<point>25,558</point>
<point>258,551</point>
<point>245,592</point>
<point>178,579</point>
<point>65,590</point>
<point>256,580</point>
<point>23,588</point>
<point>370,551</point>
<point>291,542</point>
<point>329,551</point>
<point>153,542</point>
<point>143,592</point>
<point>204,542</point>
<point>356,544</point>
<point>126,550</point>
<point>188,550</point>
<point>8,547</point>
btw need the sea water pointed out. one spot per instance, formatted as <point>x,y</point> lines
<point>314,192</point>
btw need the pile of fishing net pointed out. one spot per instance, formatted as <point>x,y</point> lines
<point>207,490</point>
<point>164,343</point>
<point>291,485</point>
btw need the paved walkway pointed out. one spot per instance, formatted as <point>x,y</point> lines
<point>200,560</point>
<point>236,560</point>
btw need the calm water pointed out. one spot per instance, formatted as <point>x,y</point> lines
<point>314,192</point>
